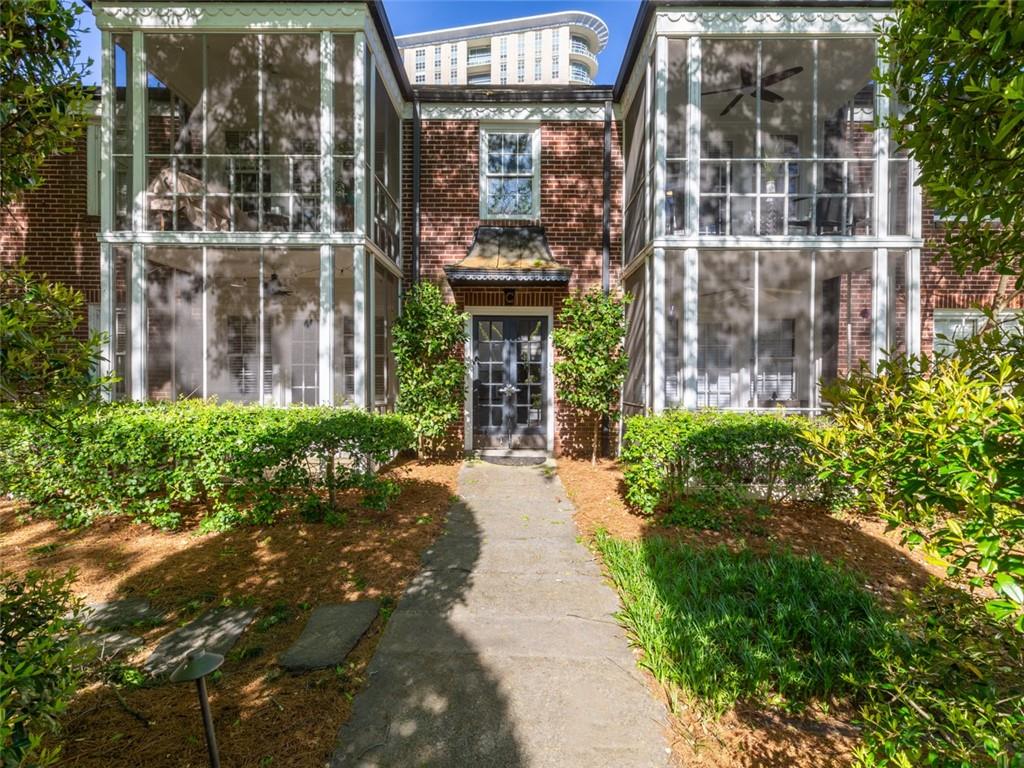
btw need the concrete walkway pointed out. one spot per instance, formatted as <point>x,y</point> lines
<point>503,651</point>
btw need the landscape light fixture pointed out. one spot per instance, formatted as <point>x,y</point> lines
<point>197,666</point>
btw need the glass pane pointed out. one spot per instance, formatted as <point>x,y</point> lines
<point>234,335</point>
<point>725,325</point>
<point>728,103</point>
<point>291,102</point>
<point>174,327</point>
<point>344,327</point>
<point>291,305</point>
<point>344,110</point>
<point>783,366</point>
<point>634,389</point>
<point>232,94</point>
<point>678,97</point>
<point>897,318</point>
<point>122,94</point>
<point>174,92</point>
<point>842,312</point>
<point>121,364</point>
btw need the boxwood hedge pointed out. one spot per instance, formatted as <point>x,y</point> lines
<point>731,457</point>
<point>233,463</point>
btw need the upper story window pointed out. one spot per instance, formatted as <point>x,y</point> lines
<point>421,59</point>
<point>580,45</point>
<point>437,57</point>
<point>509,173</point>
<point>578,73</point>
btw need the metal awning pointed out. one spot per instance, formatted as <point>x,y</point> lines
<point>508,256</point>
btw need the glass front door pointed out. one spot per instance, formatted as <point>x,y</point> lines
<point>510,382</point>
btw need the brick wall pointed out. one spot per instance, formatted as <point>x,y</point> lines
<point>942,287</point>
<point>50,227</point>
<point>571,212</point>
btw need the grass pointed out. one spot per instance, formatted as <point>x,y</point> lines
<point>776,630</point>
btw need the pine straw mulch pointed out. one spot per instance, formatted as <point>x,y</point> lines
<point>749,736</point>
<point>263,716</point>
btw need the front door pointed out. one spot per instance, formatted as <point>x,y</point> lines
<point>510,382</point>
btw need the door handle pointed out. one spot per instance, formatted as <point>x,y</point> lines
<point>509,389</point>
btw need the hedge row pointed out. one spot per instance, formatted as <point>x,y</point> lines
<point>731,457</point>
<point>155,462</point>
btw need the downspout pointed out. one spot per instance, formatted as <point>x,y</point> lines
<point>606,215</point>
<point>606,238</point>
<point>416,191</point>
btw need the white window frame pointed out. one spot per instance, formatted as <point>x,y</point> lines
<point>962,316</point>
<point>492,128</point>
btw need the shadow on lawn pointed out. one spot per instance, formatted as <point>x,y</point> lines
<point>263,716</point>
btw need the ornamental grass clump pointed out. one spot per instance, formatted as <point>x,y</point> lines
<point>722,627</point>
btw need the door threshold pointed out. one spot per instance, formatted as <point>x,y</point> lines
<point>514,457</point>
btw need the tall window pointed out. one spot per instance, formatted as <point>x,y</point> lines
<point>453,75</point>
<point>421,59</point>
<point>521,59</point>
<point>510,173</point>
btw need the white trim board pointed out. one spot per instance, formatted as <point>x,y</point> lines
<point>510,112</point>
<point>467,419</point>
<point>765,23</point>
<point>347,17</point>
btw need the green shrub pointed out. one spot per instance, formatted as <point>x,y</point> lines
<point>937,448</point>
<point>236,463</point>
<point>591,359</point>
<point>952,697</point>
<point>429,349</point>
<point>41,663</point>
<point>720,457</point>
<point>778,629</point>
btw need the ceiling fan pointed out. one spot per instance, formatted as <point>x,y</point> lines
<point>747,86</point>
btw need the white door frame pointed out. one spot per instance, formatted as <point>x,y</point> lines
<point>549,393</point>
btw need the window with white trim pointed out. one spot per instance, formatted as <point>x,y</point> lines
<point>509,173</point>
<point>952,325</point>
<point>555,68</point>
<point>437,57</point>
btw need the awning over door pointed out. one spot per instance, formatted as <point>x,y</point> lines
<point>508,256</point>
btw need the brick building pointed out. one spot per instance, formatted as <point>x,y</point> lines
<point>257,187</point>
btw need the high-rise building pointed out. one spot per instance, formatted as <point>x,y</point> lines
<point>552,48</point>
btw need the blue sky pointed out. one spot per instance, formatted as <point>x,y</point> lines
<point>420,15</point>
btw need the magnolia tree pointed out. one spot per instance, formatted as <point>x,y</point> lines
<point>42,101</point>
<point>936,446</point>
<point>591,362</point>
<point>955,71</point>
<point>46,365</point>
<point>430,357</point>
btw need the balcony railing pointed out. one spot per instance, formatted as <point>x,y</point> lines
<point>233,193</point>
<point>478,59</point>
<point>575,76</point>
<point>785,196</point>
<point>582,49</point>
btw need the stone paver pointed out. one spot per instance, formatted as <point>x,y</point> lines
<point>504,650</point>
<point>216,630</point>
<point>118,614</point>
<point>330,634</point>
<point>111,644</point>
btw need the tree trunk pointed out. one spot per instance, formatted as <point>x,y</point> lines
<point>596,440</point>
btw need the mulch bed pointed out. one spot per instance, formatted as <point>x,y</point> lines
<point>263,716</point>
<point>749,736</point>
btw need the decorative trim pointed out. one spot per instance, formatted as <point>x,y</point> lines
<point>383,65</point>
<point>463,276</point>
<point>776,22</point>
<point>233,16</point>
<point>512,112</point>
